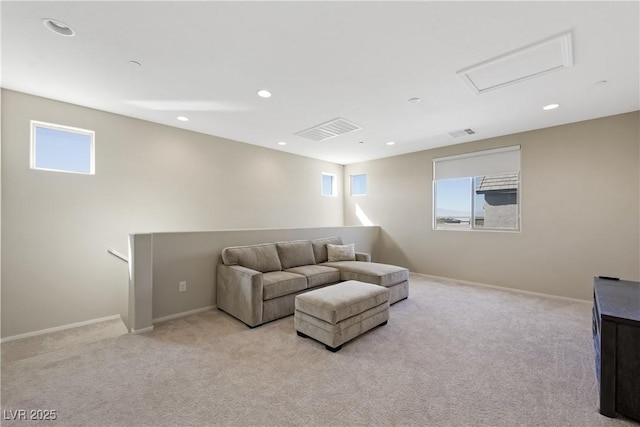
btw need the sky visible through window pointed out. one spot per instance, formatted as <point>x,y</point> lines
<point>359,185</point>
<point>453,198</point>
<point>64,151</point>
<point>327,184</point>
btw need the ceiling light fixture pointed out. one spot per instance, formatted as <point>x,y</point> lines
<point>391,143</point>
<point>282,143</point>
<point>263,93</point>
<point>58,27</point>
<point>183,118</point>
<point>414,100</point>
<point>550,107</point>
<point>135,63</point>
<point>600,83</point>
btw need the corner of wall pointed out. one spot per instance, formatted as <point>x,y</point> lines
<point>344,195</point>
<point>1,90</point>
<point>140,282</point>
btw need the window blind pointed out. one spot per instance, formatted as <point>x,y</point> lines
<point>487,162</point>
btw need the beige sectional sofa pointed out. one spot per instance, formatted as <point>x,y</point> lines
<point>258,283</point>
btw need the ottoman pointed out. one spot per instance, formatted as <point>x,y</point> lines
<point>341,312</point>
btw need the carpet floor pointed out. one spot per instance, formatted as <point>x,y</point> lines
<point>451,355</point>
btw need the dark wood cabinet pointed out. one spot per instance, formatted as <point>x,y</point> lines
<point>616,338</point>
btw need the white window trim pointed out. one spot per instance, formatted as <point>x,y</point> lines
<point>32,153</point>
<point>334,184</point>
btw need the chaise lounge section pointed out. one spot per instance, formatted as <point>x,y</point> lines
<point>259,283</point>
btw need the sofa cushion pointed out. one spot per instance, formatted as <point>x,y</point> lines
<point>320,247</point>
<point>341,252</point>
<point>278,283</point>
<point>317,275</point>
<point>263,258</point>
<point>370,272</point>
<point>295,253</point>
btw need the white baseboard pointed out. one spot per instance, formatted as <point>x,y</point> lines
<point>503,288</point>
<point>59,328</point>
<point>183,314</point>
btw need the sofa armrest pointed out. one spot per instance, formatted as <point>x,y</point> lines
<point>239,293</point>
<point>362,256</point>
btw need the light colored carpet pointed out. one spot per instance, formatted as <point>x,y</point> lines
<point>451,355</point>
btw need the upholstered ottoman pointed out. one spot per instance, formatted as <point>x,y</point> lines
<point>341,312</point>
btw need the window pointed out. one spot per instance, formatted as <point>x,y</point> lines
<point>62,148</point>
<point>328,184</point>
<point>359,185</point>
<point>477,191</point>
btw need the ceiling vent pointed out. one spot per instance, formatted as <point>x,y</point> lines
<point>330,129</point>
<point>462,132</point>
<point>552,54</point>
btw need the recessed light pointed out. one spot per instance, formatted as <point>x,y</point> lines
<point>391,143</point>
<point>550,107</point>
<point>414,100</point>
<point>135,63</point>
<point>601,83</point>
<point>183,118</point>
<point>263,93</point>
<point>282,143</point>
<point>58,27</point>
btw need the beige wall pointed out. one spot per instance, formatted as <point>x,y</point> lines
<point>580,209</point>
<point>162,260</point>
<point>580,204</point>
<point>56,227</point>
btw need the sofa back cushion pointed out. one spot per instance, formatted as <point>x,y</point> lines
<point>320,247</point>
<point>295,253</point>
<point>263,258</point>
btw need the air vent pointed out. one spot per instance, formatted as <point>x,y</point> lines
<point>330,129</point>
<point>462,132</point>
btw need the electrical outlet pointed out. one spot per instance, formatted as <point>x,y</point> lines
<point>182,286</point>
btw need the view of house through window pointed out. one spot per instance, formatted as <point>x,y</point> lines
<point>61,148</point>
<point>498,196</point>
<point>463,199</point>
<point>489,201</point>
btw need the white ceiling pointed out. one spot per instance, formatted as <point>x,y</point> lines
<point>360,61</point>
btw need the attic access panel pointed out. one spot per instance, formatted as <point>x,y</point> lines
<point>552,54</point>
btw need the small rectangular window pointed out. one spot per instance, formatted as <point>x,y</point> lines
<point>328,184</point>
<point>359,185</point>
<point>62,148</point>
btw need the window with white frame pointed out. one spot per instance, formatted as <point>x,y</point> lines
<point>328,184</point>
<point>477,191</point>
<point>359,185</point>
<point>62,148</point>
